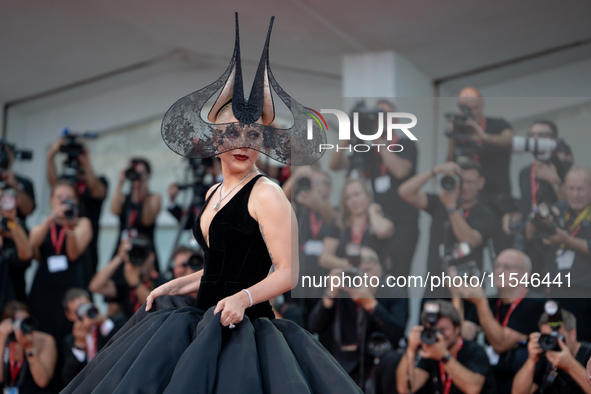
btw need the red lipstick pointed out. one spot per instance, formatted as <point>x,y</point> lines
<point>241,157</point>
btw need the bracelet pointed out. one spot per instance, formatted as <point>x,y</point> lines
<point>11,225</point>
<point>249,296</point>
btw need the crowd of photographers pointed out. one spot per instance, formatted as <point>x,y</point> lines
<point>524,338</point>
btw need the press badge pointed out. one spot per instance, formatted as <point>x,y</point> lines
<point>57,263</point>
<point>493,357</point>
<point>565,260</point>
<point>381,184</point>
<point>11,390</point>
<point>313,248</point>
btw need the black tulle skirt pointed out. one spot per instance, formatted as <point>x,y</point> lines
<point>180,349</point>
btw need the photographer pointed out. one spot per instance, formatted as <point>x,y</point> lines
<point>138,209</point>
<point>91,189</point>
<point>387,171</point>
<point>508,319</point>
<point>568,249</point>
<point>27,356</point>
<point>15,252</point>
<point>359,316</point>
<point>559,369</point>
<point>25,201</point>
<point>90,332</point>
<point>197,182</point>
<point>360,222</point>
<point>457,214</point>
<point>136,257</point>
<point>448,363</point>
<point>59,242</point>
<point>491,138</point>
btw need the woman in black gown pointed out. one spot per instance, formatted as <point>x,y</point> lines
<point>60,240</point>
<point>229,342</point>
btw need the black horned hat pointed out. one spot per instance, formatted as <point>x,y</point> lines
<point>186,133</point>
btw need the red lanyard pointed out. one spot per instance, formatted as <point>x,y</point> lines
<point>92,350</point>
<point>15,366</point>
<point>132,218</point>
<point>445,380</point>
<point>57,243</point>
<point>534,185</point>
<point>510,311</point>
<point>315,225</point>
<point>81,187</point>
<point>356,238</point>
<point>466,214</point>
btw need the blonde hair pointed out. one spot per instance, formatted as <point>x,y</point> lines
<point>344,218</point>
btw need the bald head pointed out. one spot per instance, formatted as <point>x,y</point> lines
<point>472,98</point>
<point>470,91</point>
<point>578,188</point>
<point>516,258</point>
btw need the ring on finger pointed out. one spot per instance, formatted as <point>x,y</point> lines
<point>231,326</point>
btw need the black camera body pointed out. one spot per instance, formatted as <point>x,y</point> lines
<point>18,155</point>
<point>550,341</point>
<point>459,256</point>
<point>72,148</point>
<point>449,182</point>
<point>303,184</point>
<point>544,222</point>
<point>352,273</point>
<point>429,333</point>
<point>87,310</point>
<point>26,326</point>
<point>141,248</point>
<point>461,133</point>
<point>71,213</point>
<point>132,175</point>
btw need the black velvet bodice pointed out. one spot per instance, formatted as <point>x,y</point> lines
<point>237,256</point>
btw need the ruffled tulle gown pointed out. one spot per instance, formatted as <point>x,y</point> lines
<point>181,348</point>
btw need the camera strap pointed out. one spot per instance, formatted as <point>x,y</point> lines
<point>357,237</point>
<point>510,311</point>
<point>315,224</point>
<point>15,366</point>
<point>575,227</point>
<point>57,242</point>
<point>445,379</point>
<point>534,186</point>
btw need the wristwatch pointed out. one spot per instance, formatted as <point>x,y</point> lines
<point>451,210</point>
<point>31,353</point>
<point>446,357</point>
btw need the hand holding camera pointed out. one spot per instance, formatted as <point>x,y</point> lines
<point>8,209</point>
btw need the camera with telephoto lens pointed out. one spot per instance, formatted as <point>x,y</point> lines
<point>544,222</point>
<point>26,326</point>
<point>141,247</point>
<point>132,175</point>
<point>303,184</point>
<point>459,256</point>
<point>429,333</point>
<point>72,148</point>
<point>550,341</point>
<point>449,182</point>
<point>541,148</point>
<point>461,133</point>
<point>71,211</point>
<point>87,310</point>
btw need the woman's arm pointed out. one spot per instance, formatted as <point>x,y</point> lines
<point>78,239</point>
<point>180,286</point>
<point>278,225</point>
<point>328,258</point>
<point>150,209</point>
<point>382,227</point>
<point>42,359</point>
<point>118,198</point>
<point>38,233</point>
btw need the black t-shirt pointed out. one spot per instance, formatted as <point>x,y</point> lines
<point>565,260</point>
<point>545,192</point>
<point>126,296</point>
<point>312,230</point>
<point>479,217</point>
<point>495,161</point>
<point>563,383</point>
<point>380,246</point>
<point>385,185</point>
<point>471,356</point>
<point>12,273</point>
<point>90,208</point>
